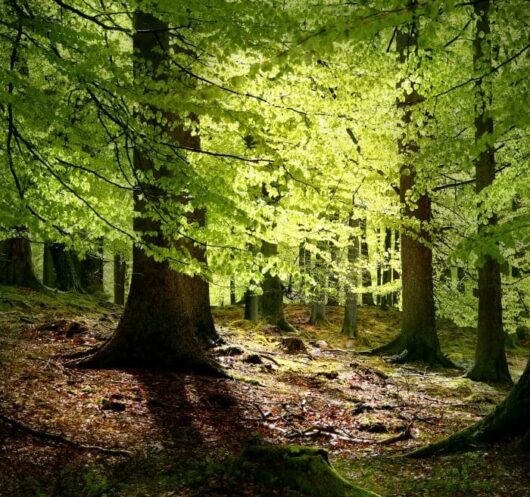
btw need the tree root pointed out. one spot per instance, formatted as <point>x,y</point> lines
<point>400,352</point>
<point>303,469</point>
<point>60,438</point>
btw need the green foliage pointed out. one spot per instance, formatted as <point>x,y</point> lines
<point>295,107</point>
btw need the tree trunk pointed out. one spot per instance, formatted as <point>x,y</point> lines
<point>386,297</point>
<point>91,270</point>
<point>159,326</point>
<point>66,267</point>
<point>333,284</point>
<point>349,324</point>
<point>418,339</point>
<point>490,357</point>
<point>252,305</point>
<point>233,299</point>
<point>510,419</point>
<point>395,273</point>
<point>318,314</point>
<point>16,264</point>
<point>367,297</point>
<point>48,271</point>
<point>272,298</point>
<point>120,274</point>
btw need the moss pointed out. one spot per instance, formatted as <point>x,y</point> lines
<point>305,469</point>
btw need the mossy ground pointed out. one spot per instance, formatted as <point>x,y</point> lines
<point>184,430</point>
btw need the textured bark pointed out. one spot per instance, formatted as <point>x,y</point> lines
<point>510,419</point>
<point>16,264</point>
<point>490,357</point>
<point>160,324</point>
<point>120,275</point>
<point>272,298</point>
<point>418,339</point>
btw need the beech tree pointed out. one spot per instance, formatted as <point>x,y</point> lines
<point>162,321</point>
<point>490,358</point>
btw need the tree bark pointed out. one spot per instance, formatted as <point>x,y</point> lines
<point>120,274</point>
<point>16,263</point>
<point>233,299</point>
<point>386,298</point>
<point>66,268</point>
<point>252,305</point>
<point>510,419</point>
<point>48,271</point>
<point>417,339</point>
<point>272,298</point>
<point>367,297</point>
<point>349,323</point>
<point>490,357</point>
<point>160,324</point>
<point>91,270</point>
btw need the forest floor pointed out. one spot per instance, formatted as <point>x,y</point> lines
<point>73,432</point>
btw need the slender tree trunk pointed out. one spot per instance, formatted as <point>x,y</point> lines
<point>272,298</point>
<point>252,306</point>
<point>233,299</point>
<point>318,305</point>
<point>120,275</point>
<point>395,272</point>
<point>349,324</point>
<point>490,357</point>
<point>16,264</point>
<point>333,285</point>
<point>418,339</point>
<point>158,328</point>
<point>386,297</point>
<point>367,297</point>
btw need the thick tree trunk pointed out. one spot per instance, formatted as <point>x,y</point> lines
<point>272,298</point>
<point>66,268</point>
<point>318,314</point>
<point>418,339</point>
<point>48,271</point>
<point>490,357</point>
<point>91,270</point>
<point>509,420</point>
<point>16,264</point>
<point>120,275</point>
<point>163,315</point>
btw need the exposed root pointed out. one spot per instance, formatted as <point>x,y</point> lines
<point>60,438</point>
